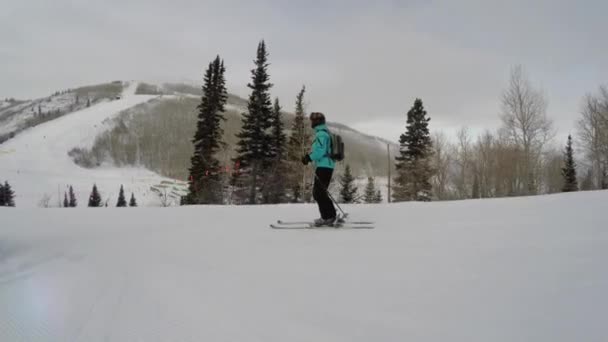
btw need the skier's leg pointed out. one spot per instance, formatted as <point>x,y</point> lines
<point>317,192</point>
<point>326,206</point>
<point>331,210</point>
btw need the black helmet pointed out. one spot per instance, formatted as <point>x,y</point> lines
<point>316,119</point>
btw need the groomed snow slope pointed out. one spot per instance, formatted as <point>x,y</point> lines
<point>519,269</point>
<point>36,162</point>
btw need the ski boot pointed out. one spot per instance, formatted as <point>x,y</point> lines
<point>321,222</point>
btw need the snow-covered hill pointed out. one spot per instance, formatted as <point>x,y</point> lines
<point>18,115</point>
<point>517,269</point>
<point>36,161</point>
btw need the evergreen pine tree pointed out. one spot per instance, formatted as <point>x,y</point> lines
<point>72,203</point>
<point>66,203</point>
<point>378,197</point>
<point>132,202</point>
<point>348,189</point>
<point>413,162</point>
<point>254,151</point>
<point>205,182</point>
<point>95,197</point>
<point>2,196</point>
<point>275,183</point>
<point>279,138</point>
<point>569,169</point>
<point>8,195</point>
<point>370,191</point>
<point>298,145</point>
<point>122,202</point>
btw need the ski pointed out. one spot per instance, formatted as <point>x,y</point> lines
<point>289,223</point>
<point>312,227</point>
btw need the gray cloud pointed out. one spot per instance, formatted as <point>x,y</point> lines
<point>363,64</point>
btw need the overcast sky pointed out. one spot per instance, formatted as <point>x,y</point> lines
<point>363,62</point>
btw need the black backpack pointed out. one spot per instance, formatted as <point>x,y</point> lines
<point>336,146</point>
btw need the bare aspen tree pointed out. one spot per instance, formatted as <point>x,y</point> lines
<point>463,160</point>
<point>593,135</point>
<point>484,164</point>
<point>552,171</point>
<point>510,174</point>
<point>440,162</point>
<point>526,123</point>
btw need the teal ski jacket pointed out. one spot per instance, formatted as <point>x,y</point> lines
<point>321,148</point>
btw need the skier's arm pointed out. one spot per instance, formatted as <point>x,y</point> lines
<point>319,148</point>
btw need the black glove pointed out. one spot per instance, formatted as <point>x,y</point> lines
<point>306,159</point>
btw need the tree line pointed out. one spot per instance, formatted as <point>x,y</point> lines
<point>7,198</point>
<point>515,160</point>
<point>518,159</point>
<point>94,200</point>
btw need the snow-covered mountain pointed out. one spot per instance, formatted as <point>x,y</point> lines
<point>37,164</point>
<point>18,115</point>
<point>502,270</point>
<point>38,156</point>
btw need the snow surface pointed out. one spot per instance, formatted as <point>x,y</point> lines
<point>36,161</point>
<point>518,269</point>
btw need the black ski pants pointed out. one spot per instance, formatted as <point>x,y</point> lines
<point>319,192</point>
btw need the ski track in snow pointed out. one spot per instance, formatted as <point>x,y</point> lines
<point>517,269</point>
<point>36,161</point>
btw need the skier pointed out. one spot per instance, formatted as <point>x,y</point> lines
<point>324,168</point>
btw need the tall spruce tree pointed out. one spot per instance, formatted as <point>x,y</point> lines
<point>369,195</point>
<point>275,183</point>
<point>132,202</point>
<point>66,203</point>
<point>254,147</point>
<point>2,195</point>
<point>298,145</point>
<point>8,195</point>
<point>569,169</point>
<point>72,203</point>
<point>279,139</point>
<point>205,181</point>
<point>95,197</point>
<point>122,202</point>
<point>413,162</point>
<point>348,189</point>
